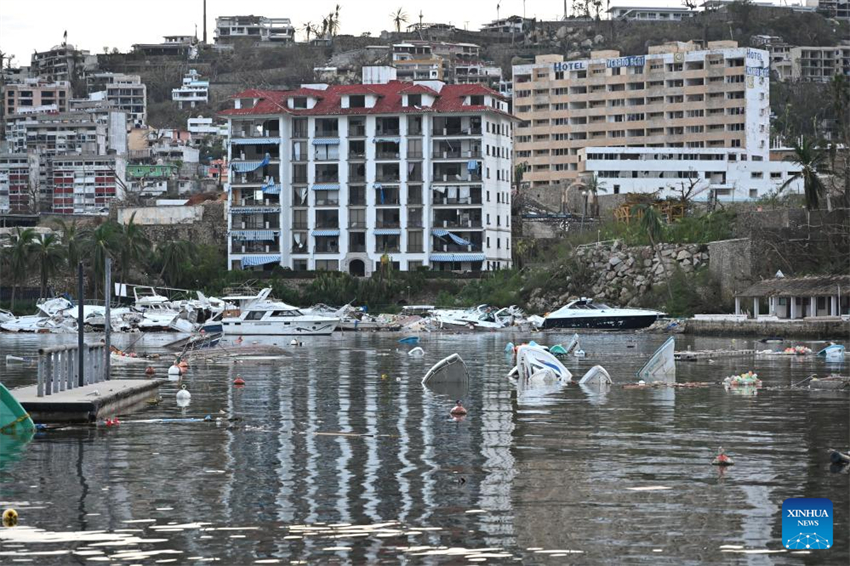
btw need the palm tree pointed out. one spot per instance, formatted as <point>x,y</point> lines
<point>71,240</point>
<point>592,186</point>
<point>653,226</point>
<point>170,257</point>
<point>809,158</point>
<point>308,29</point>
<point>399,17</point>
<point>333,22</point>
<point>133,246</point>
<point>50,255</point>
<point>100,243</point>
<point>19,255</point>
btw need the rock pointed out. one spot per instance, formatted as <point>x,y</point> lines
<point>562,32</point>
<point>615,260</point>
<point>630,261</point>
<point>574,55</point>
<point>610,275</point>
<point>599,38</point>
<point>684,254</point>
<point>647,263</point>
<point>587,43</point>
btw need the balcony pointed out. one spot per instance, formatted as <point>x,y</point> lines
<point>387,155</point>
<point>357,224</point>
<point>325,248</point>
<point>387,132</point>
<point>388,177</point>
<point>356,131</point>
<point>457,154</point>
<point>465,177</point>
<point>471,200</point>
<point>387,224</point>
<point>356,156</point>
<point>299,225</point>
<point>445,132</point>
<point>357,248</point>
<point>326,200</point>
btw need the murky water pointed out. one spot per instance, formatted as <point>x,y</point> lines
<point>341,432</point>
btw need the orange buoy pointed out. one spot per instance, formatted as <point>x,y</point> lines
<point>238,381</point>
<point>150,370</point>
<point>458,409</point>
<point>722,459</point>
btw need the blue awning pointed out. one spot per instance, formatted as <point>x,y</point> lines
<point>387,231</point>
<point>441,233</point>
<point>388,140</point>
<point>254,235</point>
<point>326,232</point>
<point>252,141</point>
<point>443,258</point>
<point>272,189</point>
<point>248,166</point>
<point>326,141</point>
<point>326,187</point>
<point>251,261</point>
<point>472,165</point>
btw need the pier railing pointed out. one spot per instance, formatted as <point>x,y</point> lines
<point>58,367</point>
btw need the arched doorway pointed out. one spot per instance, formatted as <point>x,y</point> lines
<point>357,268</point>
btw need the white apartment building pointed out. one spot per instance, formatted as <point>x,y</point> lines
<point>193,92</point>
<point>819,64</point>
<point>415,61</point>
<point>337,177</point>
<point>68,132</point>
<point>4,193</point>
<point>126,92</point>
<point>230,29</point>
<point>649,13</point>
<point>15,172</point>
<point>700,174</point>
<point>675,96</point>
<point>839,9</point>
<point>201,126</point>
<point>86,184</point>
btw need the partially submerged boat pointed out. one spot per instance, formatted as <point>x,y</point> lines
<point>585,313</point>
<point>450,370</point>
<point>536,365</point>
<point>13,418</point>
<point>259,315</point>
<point>834,353</point>
<point>597,375</point>
<point>662,365</point>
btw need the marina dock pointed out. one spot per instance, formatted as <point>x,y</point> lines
<point>87,403</point>
<point>694,355</point>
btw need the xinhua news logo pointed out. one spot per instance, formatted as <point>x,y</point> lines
<point>807,523</point>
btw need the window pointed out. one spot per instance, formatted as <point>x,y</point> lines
<point>327,265</point>
<point>299,102</point>
<point>756,175</point>
<point>355,101</point>
<point>754,193</point>
<point>414,241</point>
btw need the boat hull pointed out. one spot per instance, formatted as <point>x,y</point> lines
<point>630,322</point>
<point>260,328</point>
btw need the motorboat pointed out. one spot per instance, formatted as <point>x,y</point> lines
<point>482,316</point>
<point>535,365</point>
<point>585,313</point>
<point>49,318</point>
<point>662,365</point>
<point>259,315</point>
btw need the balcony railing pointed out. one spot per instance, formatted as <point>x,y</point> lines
<point>327,134</point>
<point>299,225</point>
<point>356,155</point>
<point>414,248</point>
<point>357,131</point>
<point>327,225</point>
<point>468,201</point>
<point>387,224</point>
<point>456,154</point>
<point>384,132</point>
<point>458,223</point>
<point>326,179</point>
<point>354,248</point>
<point>299,179</point>
<point>387,155</point>
<point>387,178</point>
<point>302,249</point>
<point>356,200</point>
<point>411,154</point>
<point>299,133</point>
<point>455,178</point>
<point>357,224</point>
<point>326,249</point>
<point>470,131</point>
<point>327,201</point>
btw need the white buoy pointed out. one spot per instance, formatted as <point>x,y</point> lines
<point>174,370</point>
<point>579,353</point>
<point>183,397</point>
<point>416,352</point>
<point>294,342</point>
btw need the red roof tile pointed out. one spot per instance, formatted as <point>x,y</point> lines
<point>329,101</point>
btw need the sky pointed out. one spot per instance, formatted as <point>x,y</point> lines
<point>29,25</point>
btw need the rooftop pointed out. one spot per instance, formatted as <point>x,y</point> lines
<point>810,286</point>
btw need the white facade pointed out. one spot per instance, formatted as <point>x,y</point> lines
<point>193,92</point>
<point>126,92</point>
<point>201,126</point>
<point>87,184</point>
<point>649,13</point>
<point>340,189</point>
<point>254,28</point>
<point>701,174</point>
<point>4,192</point>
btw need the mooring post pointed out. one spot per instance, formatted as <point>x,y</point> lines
<point>40,382</point>
<point>48,374</point>
<point>80,324</point>
<point>107,325</point>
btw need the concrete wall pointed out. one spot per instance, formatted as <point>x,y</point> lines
<point>823,330</point>
<point>203,224</point>
<point>731,262</point>
<point>162,215</point>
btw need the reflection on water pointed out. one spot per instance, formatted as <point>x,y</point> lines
<point>342,432</point>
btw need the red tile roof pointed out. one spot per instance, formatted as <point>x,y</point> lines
<point>329,101</point>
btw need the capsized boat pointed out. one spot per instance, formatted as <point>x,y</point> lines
<point>585,313</point>
<point>662,365</point>
<point>536,365</point>
<point>834,353</point>
<point>13,417</point>
<point>449,370</point>
<point>597,375</point>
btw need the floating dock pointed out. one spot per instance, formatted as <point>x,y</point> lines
<point>694,355</point>
<point>88,403</point>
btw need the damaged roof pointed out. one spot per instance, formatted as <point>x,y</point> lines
<point>810,286</point>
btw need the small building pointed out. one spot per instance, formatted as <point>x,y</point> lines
<point>193,92</point>
<point>35,95</point>
<point>87,184</point>
<point>796,298</point>
<point>62,63</point>
<point>126,92</point>
<point>650,13</point>
<point>183,46</point>
<point>230,29</point>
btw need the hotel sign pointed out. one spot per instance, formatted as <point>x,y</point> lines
<point>632,61</point>
<point>570,66</point>
<point>757,71</point>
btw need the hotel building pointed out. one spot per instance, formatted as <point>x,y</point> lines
<point>677,96</point>
<point>345,177</point>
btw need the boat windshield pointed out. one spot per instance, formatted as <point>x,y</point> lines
<point>286,313</point>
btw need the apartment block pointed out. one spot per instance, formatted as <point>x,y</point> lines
<point>819,64</point>
<point>701,174</point>
<point>200,127</point>
<point>178,46</point>
<point>126,92</point>
<point>455,63</point>
<point>675,96</point>
<point>839,9</point>
<point>415,61</point>
<point>343,177</point>
<point>232,29</point>
<point>62,63</point>
<point>15,172</point>
<point>86,184</point>
<point>35,95</point>
<point>68,132</point>
<point>649,13</point>
<point>192,92</point>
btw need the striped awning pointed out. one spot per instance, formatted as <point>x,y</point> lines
<point>254,210</point>
<point>326,187</point>
<point>396,139</point>
<point>326,141</point>
<point>326,232</point>
<point>443,258</point>
<point>387,231</point>
<point>248,166</point>
<point>251,141</point>
<point>251,261</point>
<point>254,235</point>
<point>272,189</point>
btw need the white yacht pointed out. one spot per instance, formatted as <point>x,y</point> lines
<point>260,315</point>
<point>584,313</point>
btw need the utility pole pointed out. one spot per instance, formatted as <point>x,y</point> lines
<point>107,313</point>
<point>205,22</point>
<point>81,342</point>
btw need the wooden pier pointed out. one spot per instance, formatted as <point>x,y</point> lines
<point>88,403</point>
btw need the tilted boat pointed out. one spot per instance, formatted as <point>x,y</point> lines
<point>259,315</point>
<point>585,313</point>
<point>662,365</point>
<point>536,365</point>
<point>13,417</point>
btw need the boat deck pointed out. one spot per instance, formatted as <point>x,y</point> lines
<point>88,403</point>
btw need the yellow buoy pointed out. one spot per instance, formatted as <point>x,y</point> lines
<point>10,518</point>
